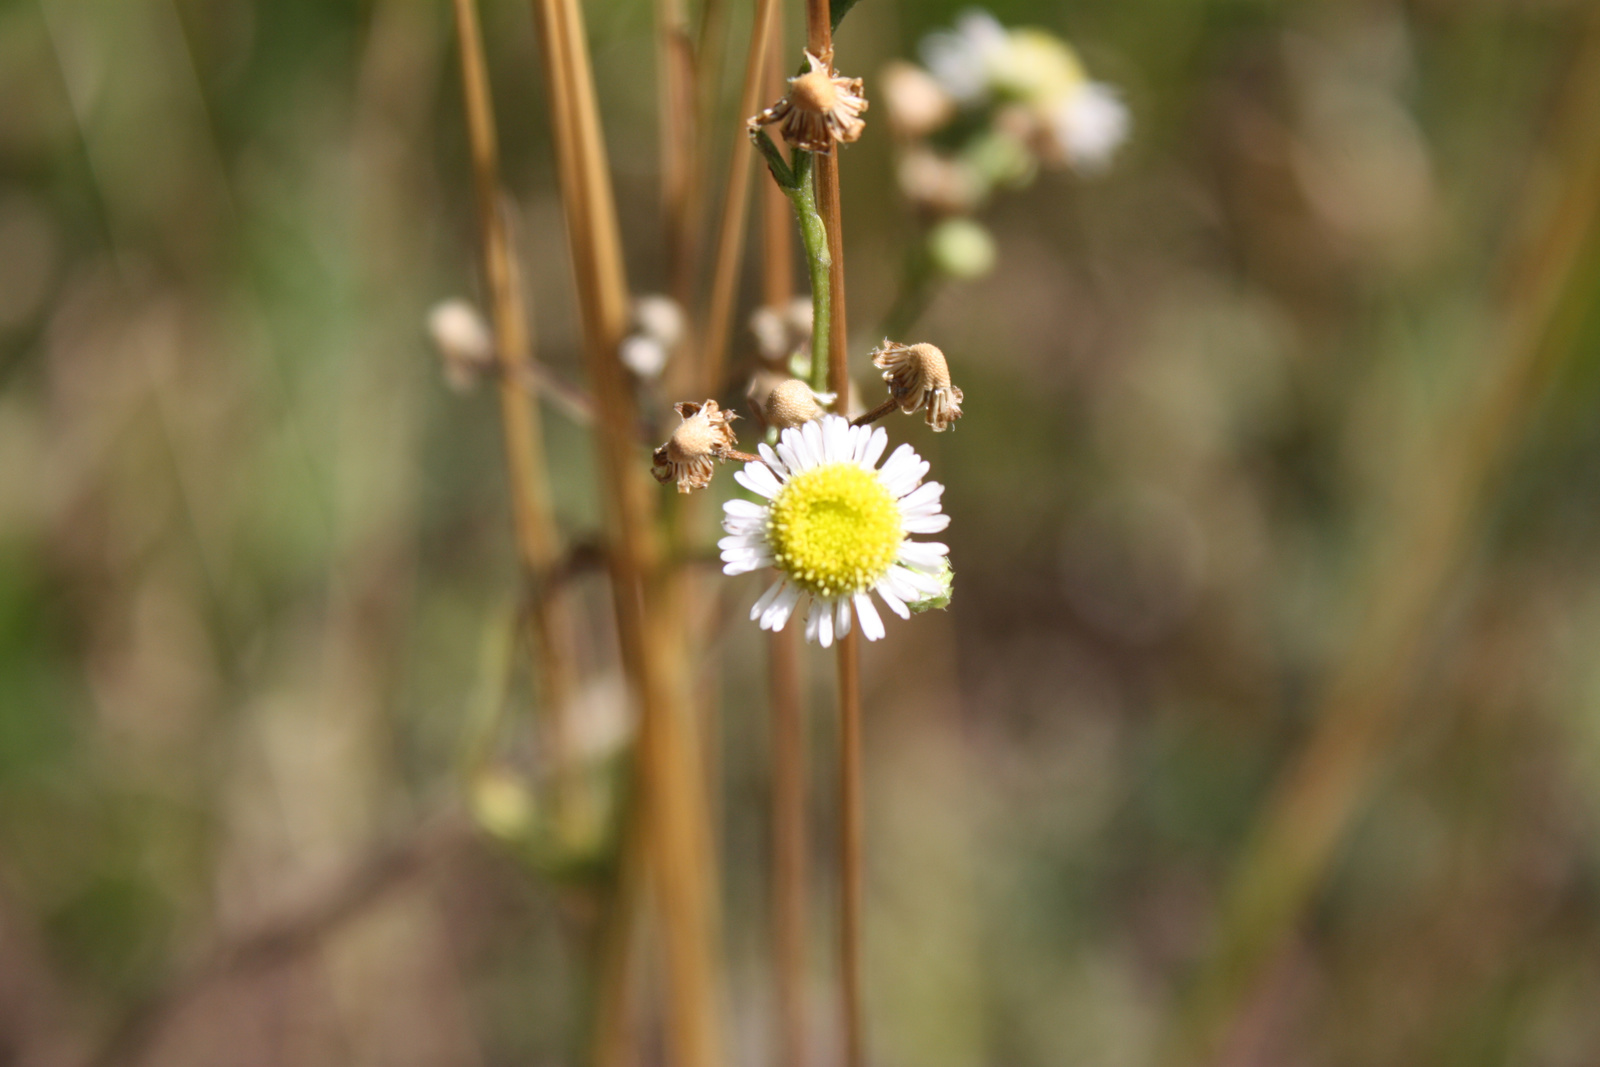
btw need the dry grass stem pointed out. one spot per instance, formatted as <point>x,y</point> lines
<point>538,541</point>
<point>735,205</point>
<point>670,766</point>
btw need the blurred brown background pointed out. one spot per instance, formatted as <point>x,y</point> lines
<point>1267,703</point>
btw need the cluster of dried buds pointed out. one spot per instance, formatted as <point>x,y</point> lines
<point>917,377</point>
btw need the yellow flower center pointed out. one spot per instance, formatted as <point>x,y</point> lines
<point>834,530</point>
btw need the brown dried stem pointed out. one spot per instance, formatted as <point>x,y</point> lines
<point>673,785</point>
<point>538,541</point>
<point>730,230</point>
<point>819,40</point>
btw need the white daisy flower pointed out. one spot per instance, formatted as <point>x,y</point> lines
<point>835,527</point>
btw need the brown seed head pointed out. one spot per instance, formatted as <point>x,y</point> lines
<point>822,108</point>
<point>704,436</point>
<point>792,403</point>
<point>918,376</point>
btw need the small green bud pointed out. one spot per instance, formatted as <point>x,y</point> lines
<point>961,248</point>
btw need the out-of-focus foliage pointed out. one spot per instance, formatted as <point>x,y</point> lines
<point>255,560</point>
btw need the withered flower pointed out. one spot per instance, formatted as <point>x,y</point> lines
<point>822,107</point>
<point>918,376</point>
<point>704,437</point>
<point>793,403</point>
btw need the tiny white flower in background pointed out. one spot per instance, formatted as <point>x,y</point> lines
<point>966,60</point>
<point>835,525</point>
<point>643,354</point>
<point>1089,125</point>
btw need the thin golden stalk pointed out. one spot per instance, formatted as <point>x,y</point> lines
<point>730,230</point>
<point>783,678</point>
<point>538,540</point>
<point>673,786</point>
<point>788,843</point>
<point>819,39</point>
<point>1321,791</point>
<point>675,76</point>
<point>777,231</point>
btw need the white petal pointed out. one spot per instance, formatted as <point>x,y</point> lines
<point>744,564</point>
<point>841,616</point>
<point>813,622</point>
<point>770,458</point>
<point>767,598</point>
<point>871,624</point>
<point>898,581</point>
<point>781,608</point>
<point>920,497</point>
<point>842,446</point>
<point>905,476</point>
<point>746,527</point>
<point>926,584</point>
<point>896,605</point>
<point>745,509</point>
<point>811,434</point>
<point>876,443</point>
<point>743,540</point>
<point>786,452</point>
<point>759,480</point>
<point>928,554</point>
<point>925,524</point>
<point>823,611</point>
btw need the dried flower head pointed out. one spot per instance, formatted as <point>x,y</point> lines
<point>792,403</point>
<point>918,376</point>
<point>702,438</point>
<point>822,107</point>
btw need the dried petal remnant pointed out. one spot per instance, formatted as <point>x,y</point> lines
<point>918,376</point>
<point>690,454</point>
<point>822,108</point>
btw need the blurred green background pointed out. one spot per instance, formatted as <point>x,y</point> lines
<point>1279,439</point>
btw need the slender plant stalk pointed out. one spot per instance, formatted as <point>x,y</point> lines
<point>819,39</point>
<point>735,209</point>
<point>675,77</point>
<point>777,234</point>
<point>788,734</point>
<point>538,540</point>
<point>796,184</point>
<point>1293,846</point>
<point>670,770</point>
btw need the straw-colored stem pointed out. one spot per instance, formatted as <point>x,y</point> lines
<point>1321,791</point>
<point>777,236</point>
<point>788,844</point>
<point>851,838</point>
<point>677,130</point>
<point>819,36</point>
<point>673,787</point>
<point>538,541</point>
<point>735,209</point>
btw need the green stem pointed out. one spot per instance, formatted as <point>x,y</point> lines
<point>796,183</point>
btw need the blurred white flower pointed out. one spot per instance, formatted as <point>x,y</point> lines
<point>643,355</point>
<point>1089,125</point>
<point>967,59</point>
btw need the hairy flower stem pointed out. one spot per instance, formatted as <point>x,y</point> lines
<point>797,185</point>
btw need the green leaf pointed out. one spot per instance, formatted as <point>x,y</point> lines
<point>838,9</point>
